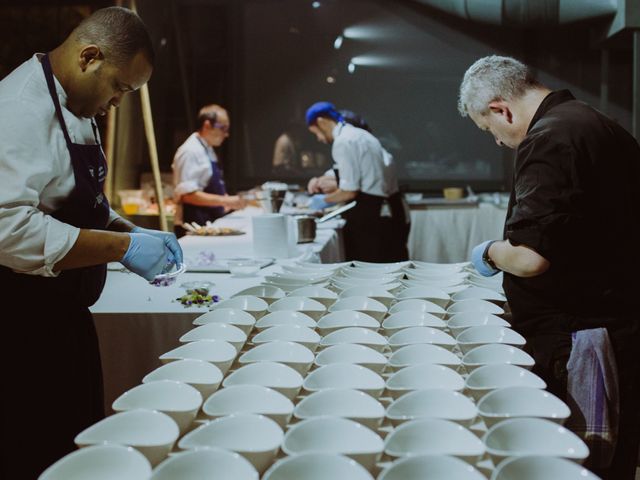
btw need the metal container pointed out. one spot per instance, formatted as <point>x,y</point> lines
<point>270,200</point>
<point>306,228</point>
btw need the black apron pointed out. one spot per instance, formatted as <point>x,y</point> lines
<point>377,229</point>
<point>56,375</point>
<point>200,214</point>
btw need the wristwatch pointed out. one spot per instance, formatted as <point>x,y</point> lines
<point>486,258</point>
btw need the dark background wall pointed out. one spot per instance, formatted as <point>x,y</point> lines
<point>267,60</point>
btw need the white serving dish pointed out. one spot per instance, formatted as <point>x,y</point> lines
<point>256,399</point>
<point>220,353</point>
<point>359,335</point>
<point>421,353</point>
<point>461,321</point>
<point>346,318</point>
<point>473,337</point>
<point>268,293</point>
<point>541,468</point>
<point>308,306</point>
<point>288,333</point>
<point>334,435</point>
<point>233,316</point>
<point>432,467</point>
<point>417,305</point>
<point>407,318</point>
<point>150,432</point>
<point>217,331</point>
<point>416,335</point>
<point>277,376</point>
<point>317,466</point>
<point>286,317</point>
<point>209,463</point>
<point>496,353</point>
<point>433,403</point>
<point>249,303</point>
<point>342,402</point>
<point>292,354</point>
<point>344,375</point>
<point>492,377</point>
<point>203,376</point>
<point>352,353</point>
<point>421,377</point>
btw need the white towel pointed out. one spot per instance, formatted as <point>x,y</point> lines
<point>592,388</point>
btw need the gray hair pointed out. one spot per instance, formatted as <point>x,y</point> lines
<point>493,78</point>
<point>119,33</point>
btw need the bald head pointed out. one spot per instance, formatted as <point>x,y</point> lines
<point>118,32</point>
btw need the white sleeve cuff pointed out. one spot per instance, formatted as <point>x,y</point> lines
<point>348,186</point>
<point>185,188</point>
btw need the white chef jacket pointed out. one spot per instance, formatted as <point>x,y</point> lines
<point>363,164</point>
<point>36,175</point>
<point>191,170</point>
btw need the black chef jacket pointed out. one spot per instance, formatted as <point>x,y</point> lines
<point>575,202</point>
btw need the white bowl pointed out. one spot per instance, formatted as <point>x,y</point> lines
<point>249,399</point>
<point>361,304</point>
<point>217,331</point>
<point>383,281</point>
<point>290,287</point>
<point>405,319</point>
<point>496,353</point>
<point>433,403</point>
<point>178,400</point>
<point>218,352</point>
<point>448,289</point>
<point>461,321</point>
<point>203,376</point>
<point>421,353</point>
<point>323,266</point>
<point>291,277</point>
<point>514,402</point>
<point>286,317</point>
<point>541,468</point>
<point>209,463</point>
<point>319,294</point>
<point>289,333</point>
<point>455,266</point>
<point>360,335</point>
<point>447,280</point>
<point>100,462</point>
<point>300,269</point>
<point>422,377</point>
<point>352,353</point>
<point>525,437</point>
<point>415,335</point>
<point>151,433</point>
<point>432,294</point>
<point>473,337</point>
<point>292,354</point>
<point>480,293</point>
<point>434,436</point>
<point>344,375</point>
<point>368,273</point>
<point>417,305</point>
<point>317,466</point>
<point>249,303</point>
<point>388,267</point>
<point>492,377</point>
<point>432,467</point>
<point>475,305</point>
<point>274,375</point>
<point>233,316</point>
<point>334,435</point>
<point>268,293</point>
<point>255,437</point>
<point>342,402</point>
<point>375,292</point>
<point>305,305</point>
<point>346,318</point>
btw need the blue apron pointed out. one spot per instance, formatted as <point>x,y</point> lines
<point>58,379</point>
<point>200,214</point>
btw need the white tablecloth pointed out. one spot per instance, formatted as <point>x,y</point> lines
<point>449,234</point>
<point>137,322</point>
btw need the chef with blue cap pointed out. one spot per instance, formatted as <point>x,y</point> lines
<point>377,227</point>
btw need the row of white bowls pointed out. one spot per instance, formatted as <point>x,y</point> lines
<point>248,414</point>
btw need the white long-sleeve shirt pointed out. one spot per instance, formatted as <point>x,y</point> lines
<point>364,165</point>
<point>191,170</point>
<point>36,175</point>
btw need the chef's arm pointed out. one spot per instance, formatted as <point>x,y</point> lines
<point>94,247</point>
<point>340,196</point>
<point>519,260</point>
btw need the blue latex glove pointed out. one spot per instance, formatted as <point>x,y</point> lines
<point>169,239</point>
<point>319,202</point>
<point>147,255</point>
<point>482,267</point>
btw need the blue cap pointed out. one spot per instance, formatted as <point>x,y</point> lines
<point>322,109</point>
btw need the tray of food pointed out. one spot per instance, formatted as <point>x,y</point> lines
<point>194,228</point>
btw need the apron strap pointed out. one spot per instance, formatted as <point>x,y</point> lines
<point>48,75</point>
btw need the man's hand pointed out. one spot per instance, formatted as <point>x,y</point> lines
<point>234,202</point>
<point>147,255</point>
<point>169,239</point>
<point>478,259</point>
<point>318,202</point>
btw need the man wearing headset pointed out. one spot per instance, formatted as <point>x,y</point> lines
<point>377,227</point>
<point>199,189</point>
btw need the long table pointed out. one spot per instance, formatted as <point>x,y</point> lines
<point>137,322</point>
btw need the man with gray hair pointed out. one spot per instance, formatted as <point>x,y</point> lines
<point>568,249</point>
